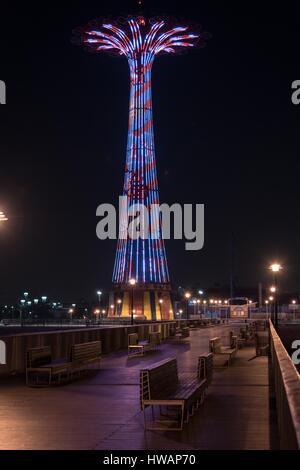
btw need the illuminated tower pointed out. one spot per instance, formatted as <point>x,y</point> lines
<point>144,260</point>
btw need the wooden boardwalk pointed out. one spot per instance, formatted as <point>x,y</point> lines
<point>101,410</point>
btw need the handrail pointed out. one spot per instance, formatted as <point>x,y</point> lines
<point>287,392</point>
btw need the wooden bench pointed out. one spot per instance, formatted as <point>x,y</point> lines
<point>181,334</point>
<point>216,348</point>
<point>262,344</point>
<point>236,341</point>
<point>160,386</point>
<point>139,348</point>
<point>41,369</point>
<point>83,355</point>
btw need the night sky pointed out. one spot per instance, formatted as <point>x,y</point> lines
<point>226,132</point>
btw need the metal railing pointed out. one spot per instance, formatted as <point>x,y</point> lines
<point>286,381</point>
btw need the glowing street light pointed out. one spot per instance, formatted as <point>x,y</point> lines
<point>275,268</point>
<point>119,302</point>
<point>99,293</point>
<point>187,296</point>
<point>294,308</point>
<point>160,306</point>
<point>71,311</point>
<point>273,289</point>
<point>132,283</point>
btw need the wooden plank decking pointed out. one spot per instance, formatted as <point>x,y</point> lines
<point>101,410</point>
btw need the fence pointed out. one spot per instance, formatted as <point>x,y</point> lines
<point>287,393</point>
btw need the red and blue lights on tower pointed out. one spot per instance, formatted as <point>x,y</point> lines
<point>140,40</point>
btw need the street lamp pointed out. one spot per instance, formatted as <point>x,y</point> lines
<point>71,311</point>
<point>160,306</point>
<point>267,310</point>
<point>99,293</point>
<point>187,296</point>
<point>273,289</point>
<point>119,302</point>
<point>132,283</point>
<point>22,302</point>
<point>294,308</point>
<point>275,268</point>
<point>97,313</point>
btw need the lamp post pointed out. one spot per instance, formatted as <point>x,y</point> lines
<point>97,313</point>
<point>160,306</point>
<point>250,304</point>
<point>294,308</point>
<point>22,303</point>
<point>132,283</point>
<point>267,310</point>
<point>204,308</point>
<point>187,296</point>
<point>99,293</point>
<point>71,311</point>
<point>119,302</point>
<point>275,268</point>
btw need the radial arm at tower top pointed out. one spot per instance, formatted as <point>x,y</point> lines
<point>137,35</point>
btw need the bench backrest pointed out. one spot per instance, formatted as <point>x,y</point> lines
<point>133,339</point>
<point>36,357</point>
<point>158,380</point>
<point>154,337</point>
<point>205,367</point>
<point>185,331</point>
<point>215,345</point>
<point>85,351</point>
<point>233,340</point>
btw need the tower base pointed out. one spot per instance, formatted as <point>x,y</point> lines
<point>151,302</point>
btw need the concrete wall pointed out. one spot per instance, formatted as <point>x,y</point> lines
<point>112,338</point>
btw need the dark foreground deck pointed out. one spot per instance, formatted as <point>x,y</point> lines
<point>101,411</point>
